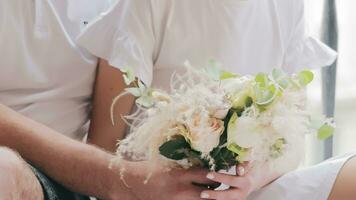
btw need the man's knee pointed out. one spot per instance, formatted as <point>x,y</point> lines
<point>16,179</point>
<point>9,165</point>
<point>9,159</point>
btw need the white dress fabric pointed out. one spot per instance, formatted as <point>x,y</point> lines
<point>156,37</point>
<point>44,75</point>
<point>312,183</point>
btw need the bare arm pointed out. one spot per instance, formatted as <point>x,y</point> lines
<point>84,168</point>
<point>109,84</point>
<point>80,167</point>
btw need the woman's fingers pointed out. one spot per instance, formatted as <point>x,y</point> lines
<point>231,194</point>
<point>231,180</point>
<point>243,168</point>
<point>241,185</point>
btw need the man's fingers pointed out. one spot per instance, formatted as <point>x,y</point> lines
<point>231,194</point>
<point>189,193</point>
<point>197,176</point>
<point>231,180</point>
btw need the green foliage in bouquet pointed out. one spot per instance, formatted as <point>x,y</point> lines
<point>179,149</point>
<point>261,94</point>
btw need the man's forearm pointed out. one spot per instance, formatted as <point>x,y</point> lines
<point>78,166</point>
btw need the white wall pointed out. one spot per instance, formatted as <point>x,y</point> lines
<point>345,136</point>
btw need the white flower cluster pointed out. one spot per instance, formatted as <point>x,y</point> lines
<point>260,118</point>
<point>194,110</point>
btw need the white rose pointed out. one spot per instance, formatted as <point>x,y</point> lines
<point>203,131</point>
<point>244,132</point>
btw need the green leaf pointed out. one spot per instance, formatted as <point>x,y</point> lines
<point>305,77</point>
<point>175,149</point>
<point>265,95</point>
<point>241,152</point>
<point>142,86</point>
<point>325,132</point>
<point>277,149</point>
<point>277,73</point>
<point>213,70</point>
<point>280,78</point>
<point>129,76</point>
<point>248,102</point>
<point>235,148</point>
<point>145,101</point>
<point>279,143</point>
<point>134,91</point>
<point>231,129</point>
<point>241,100</point>
<point>224,159</point>
<point>227,75</point>
<point>262,79</point>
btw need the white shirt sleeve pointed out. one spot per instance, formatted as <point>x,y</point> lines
<point>124,36</point>
<point>303,51</point>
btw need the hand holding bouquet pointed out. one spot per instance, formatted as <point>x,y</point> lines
<point>215,119</point>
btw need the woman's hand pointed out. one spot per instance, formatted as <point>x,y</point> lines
<point>240,186</point>
<point>250,177</point>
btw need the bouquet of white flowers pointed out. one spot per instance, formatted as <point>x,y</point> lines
<point>215,119</point>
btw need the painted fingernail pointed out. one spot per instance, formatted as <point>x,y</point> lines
<point>241,171</point>
<point>204,195</point>
<point>210,176</point>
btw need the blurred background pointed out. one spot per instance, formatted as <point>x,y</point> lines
<point>319,13</point>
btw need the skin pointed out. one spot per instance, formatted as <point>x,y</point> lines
<point>78,166</point>
<point>85,168</point>
<point>249,178</point>
<point>345,185</point>
<point>240,186</point>
<point>16,174</point>
<point>109,83</point>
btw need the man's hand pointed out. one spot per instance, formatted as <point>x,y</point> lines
<point>175,184</point>
<point>77,166</point>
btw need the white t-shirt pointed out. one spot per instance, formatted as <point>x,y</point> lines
<point>155,37</point>
<point>43,73</point>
